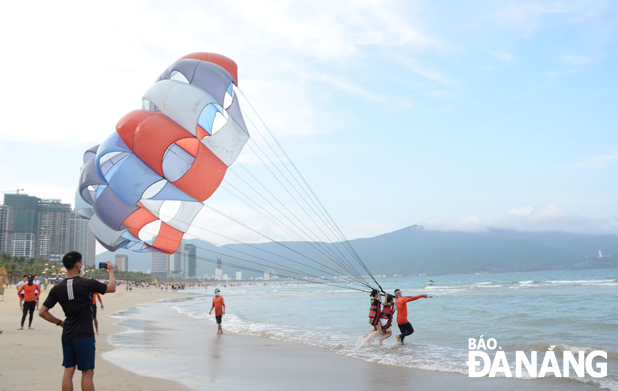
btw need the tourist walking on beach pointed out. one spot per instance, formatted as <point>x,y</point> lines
<point>219,305</point>
<point>402,314</point>
<point>96,296</point>
<point>30,296</point>
<point>74,294</point>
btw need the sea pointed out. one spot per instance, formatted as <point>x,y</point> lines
<point>532,311</point>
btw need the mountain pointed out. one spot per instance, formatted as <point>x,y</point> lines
<point>413,250</point>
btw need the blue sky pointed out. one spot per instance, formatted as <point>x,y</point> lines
<point>457,115</point>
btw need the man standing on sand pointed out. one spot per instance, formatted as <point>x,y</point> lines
<point>219,305</point>
<point>30,294</point>
<point>74,294</point>
<point>402,314</point>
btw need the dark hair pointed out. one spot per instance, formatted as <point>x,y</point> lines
<point>70,259</point>
<point>25,276</point>
<point>373,292</point>
<point>395,291</point>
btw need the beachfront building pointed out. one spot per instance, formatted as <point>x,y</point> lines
<point>600,254</point>
<point>82,239</point>
<point>266,276</point>
<point>190,256</point>
<point>122,263</point>
<point>178,270</point>
<point>158,265</point>
<point>6,229</point>
<point>238,275</point>
<point>25,224</point>
<point>54,229</point>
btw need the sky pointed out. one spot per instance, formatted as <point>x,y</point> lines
<point>455,115</point>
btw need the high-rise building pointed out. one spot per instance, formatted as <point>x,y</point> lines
<point>6,229</point>
<point>218,274</point>
<point>238,275</point>
<point>158,265</point>
<point>178,271</point>
<point>122,263</point>
<point>82,239</point>
<point>190,256</point>
<point>600,254</point>
<point>219,263</point>
<point>54,229</point>
<point>266,276</point>
<point>25,224</point>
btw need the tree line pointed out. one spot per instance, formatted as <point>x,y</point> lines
<point>17,267</point>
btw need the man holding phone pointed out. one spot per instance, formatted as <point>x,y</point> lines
<point>74,294</point>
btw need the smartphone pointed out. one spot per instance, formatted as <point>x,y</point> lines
<point>102,265</point>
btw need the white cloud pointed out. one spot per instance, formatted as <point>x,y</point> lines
<point>552,218</point>
<point>425,71</point>
<point>467,223</point>
<point>592,163</point>
<point>526,210</point>
<point>579,60</point>
<point>445,95</point>
<point>527,15</point>
<point>503,56</point>
<point>599,161</point>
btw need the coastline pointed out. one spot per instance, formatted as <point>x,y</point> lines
<point>33,358</point>
<point>189,351</point>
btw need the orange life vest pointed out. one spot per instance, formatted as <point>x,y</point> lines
<point>387,313</point>
<point>374,310</point>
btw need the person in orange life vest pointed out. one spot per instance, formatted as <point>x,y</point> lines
<point>402,314</point>
<point>31,295</point>
<point>374,314</point>
<point>218,304</point>
<point>96,296</point>
<point>386,316</point>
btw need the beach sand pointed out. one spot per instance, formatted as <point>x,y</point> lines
<point>31,359</point>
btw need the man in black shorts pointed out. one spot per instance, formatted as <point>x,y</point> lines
<point>74,294</point>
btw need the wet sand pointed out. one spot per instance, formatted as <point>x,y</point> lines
<point>240,362</point>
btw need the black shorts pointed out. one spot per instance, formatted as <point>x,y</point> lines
<point>94,311</point>
<point>218,317</point>
<point>78,352</point>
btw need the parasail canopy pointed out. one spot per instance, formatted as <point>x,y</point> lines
<point>142,187</point>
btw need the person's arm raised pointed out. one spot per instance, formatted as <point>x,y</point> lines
<point>111,287</point>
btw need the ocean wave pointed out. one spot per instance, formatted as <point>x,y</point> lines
<point>579,281</point>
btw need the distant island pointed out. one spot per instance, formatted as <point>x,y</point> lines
<point>415,250</point>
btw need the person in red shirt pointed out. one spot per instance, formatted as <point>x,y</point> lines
<point>219,306</point>
<point>30,296</point>
<point>96,296</point>
<point>402,314</point>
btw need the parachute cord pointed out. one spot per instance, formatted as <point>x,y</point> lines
<point>348,244</point>
<point>303,242</point>
<point>265,236</point>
